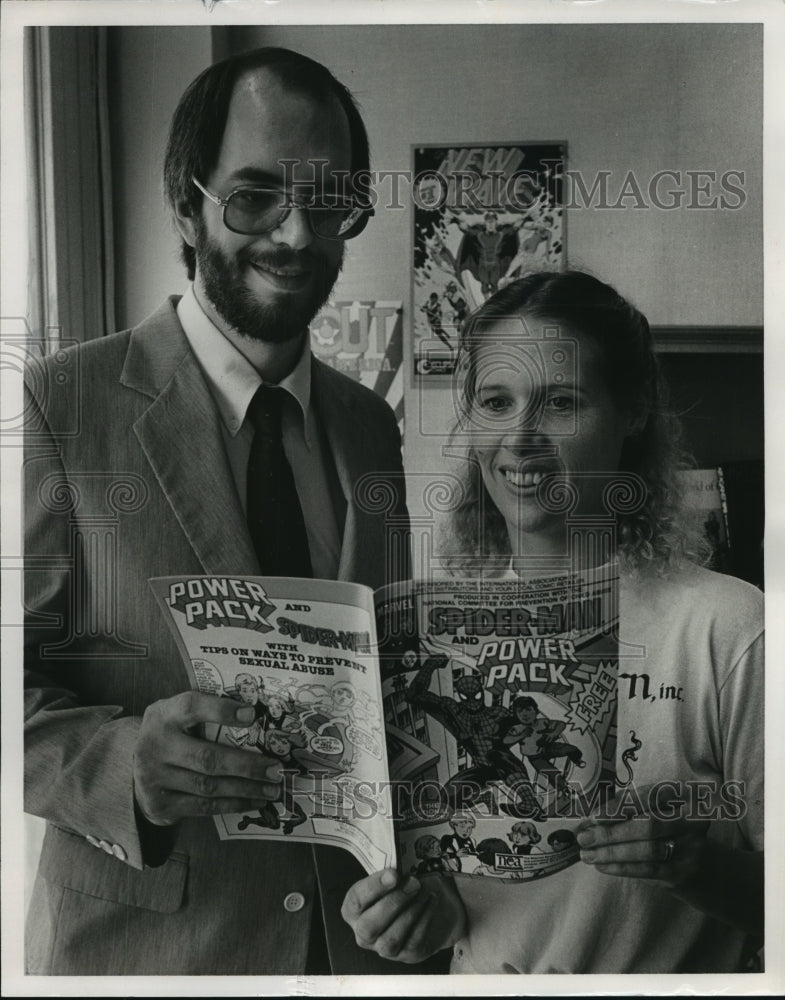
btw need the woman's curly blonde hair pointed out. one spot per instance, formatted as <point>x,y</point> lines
<point>653,535</point>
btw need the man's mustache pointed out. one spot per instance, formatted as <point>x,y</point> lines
<point>285,257</point>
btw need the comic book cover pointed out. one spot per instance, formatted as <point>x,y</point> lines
<point>500,709</point>
<point>470,739</point>
<point>483,216</point>
<point>302,653</point>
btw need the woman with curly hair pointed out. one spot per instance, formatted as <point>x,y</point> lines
<point>595,334</point>
<point>558,383</point>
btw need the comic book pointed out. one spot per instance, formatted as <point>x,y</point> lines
<point>447,726</point>
<point>500,712</point>
<point>303,654</point>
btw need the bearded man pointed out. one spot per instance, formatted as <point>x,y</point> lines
<point>211,442</point>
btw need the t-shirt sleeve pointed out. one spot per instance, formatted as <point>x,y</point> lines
<point>741,712</point>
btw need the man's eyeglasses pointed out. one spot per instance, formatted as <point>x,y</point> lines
<point>251,211</point>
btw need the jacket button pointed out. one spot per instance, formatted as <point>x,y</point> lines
<point>294,901</point>
<point>93,840</point>
<point>119,853</point>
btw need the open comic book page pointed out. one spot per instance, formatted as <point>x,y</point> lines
<point>303,653</point>
<point>500,712</point>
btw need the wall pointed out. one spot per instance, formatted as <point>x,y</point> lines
<point>625,97</point>
<point>149,68</point>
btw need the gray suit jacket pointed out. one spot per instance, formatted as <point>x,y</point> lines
<point>126,479</point>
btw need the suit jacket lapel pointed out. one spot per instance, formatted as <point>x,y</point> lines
<point>180,435</point>
<point>340,423</point>
<point>349,448</point>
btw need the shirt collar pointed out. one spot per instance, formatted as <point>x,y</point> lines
<point>233,380</point>
<point>611,567</point>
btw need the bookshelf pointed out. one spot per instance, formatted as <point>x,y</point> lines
<point>715,376</point>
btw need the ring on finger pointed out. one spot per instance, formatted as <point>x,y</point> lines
<point>670,851</point>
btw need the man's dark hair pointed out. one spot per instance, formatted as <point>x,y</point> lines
<point>199,121</point>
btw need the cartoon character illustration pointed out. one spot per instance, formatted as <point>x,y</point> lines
<point>539,233</point>
<point>459,843</point>
<point>332,716</point>
<point>281,712</point>
<point>486,851</point>
<point>280,744</point>
<point>487,249</point>
<point>250,690</point>
<point>441,255</point>
<point>523,836</point>
<point>433,313</point>
<point>536,737</point>
<point>409,659</point>
<point>428,852</point>
<point>460,309</point>
<point>561,840</point>
<point>479,729</point>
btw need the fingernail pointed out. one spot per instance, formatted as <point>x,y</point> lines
<point>389,877</point>
<point>410,886</point>
<point>244,714</point>
<point>585,838</point>
<point>588,856</point>
<point>275,773</point>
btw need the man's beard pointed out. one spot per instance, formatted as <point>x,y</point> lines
<point>284,317</point>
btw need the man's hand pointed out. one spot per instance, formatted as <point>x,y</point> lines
<point>402,919</point>
<point>178,774</point>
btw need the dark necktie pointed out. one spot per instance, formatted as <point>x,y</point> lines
<point>275,517</point>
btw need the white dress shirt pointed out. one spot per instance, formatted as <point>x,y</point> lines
<point>233,381</point>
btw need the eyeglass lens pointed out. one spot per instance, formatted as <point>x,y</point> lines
<point>253,211</point>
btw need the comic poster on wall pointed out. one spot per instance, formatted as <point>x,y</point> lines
<point>364,340</point>
<point>483,216</point>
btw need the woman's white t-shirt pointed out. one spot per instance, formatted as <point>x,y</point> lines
<point>691,690</point>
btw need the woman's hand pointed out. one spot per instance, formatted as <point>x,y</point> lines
<point>673,850</point>
<point>669,851</point>
<point>403,919</point>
